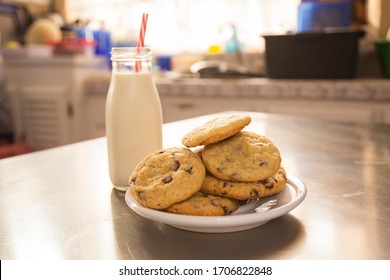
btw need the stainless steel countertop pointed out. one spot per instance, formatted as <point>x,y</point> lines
<point>59,203</point>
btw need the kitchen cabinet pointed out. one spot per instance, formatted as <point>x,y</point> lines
<point>95,90</point>
<point>358,100</point>
<point>45,118</point>
<point>47,98</point>
<point>64,102</point>
<point>386,115</point>
<point>365,101</point>
<point>175,108</point>
<point>328,110</point>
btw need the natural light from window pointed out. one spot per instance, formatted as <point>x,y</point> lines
<point>177,26</point>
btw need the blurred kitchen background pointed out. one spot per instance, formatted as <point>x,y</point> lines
<point>326,59</point>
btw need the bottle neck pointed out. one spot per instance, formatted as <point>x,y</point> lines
<point>130,66</point>
<point>131,60</point>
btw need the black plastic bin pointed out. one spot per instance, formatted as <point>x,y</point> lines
<point>313,55</point>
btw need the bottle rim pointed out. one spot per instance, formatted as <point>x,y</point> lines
<point>131,53</point>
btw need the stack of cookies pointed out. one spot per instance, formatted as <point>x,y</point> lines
<point>227,166</point>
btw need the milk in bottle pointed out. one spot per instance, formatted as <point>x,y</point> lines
<point>133,113</point>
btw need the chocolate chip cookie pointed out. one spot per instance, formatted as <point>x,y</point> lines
<point>243,157</point>
<point>243,191</point>
<point>204,205</point>
<point>216,130</point>
<point>166,177</point>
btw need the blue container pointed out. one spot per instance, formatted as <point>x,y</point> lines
<point>313,16</point>
<point>103,42</point>
<point>164,62</point>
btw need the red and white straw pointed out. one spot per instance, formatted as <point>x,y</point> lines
<point>142,30</point>
<point>141,39</point>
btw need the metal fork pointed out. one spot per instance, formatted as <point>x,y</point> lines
<point>266,206</point>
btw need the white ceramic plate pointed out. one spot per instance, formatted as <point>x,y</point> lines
<point>250,215</point>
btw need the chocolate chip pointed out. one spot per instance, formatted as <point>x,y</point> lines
<point>176,165</point>
<point>269,186</point>
<point>167,179</point>
<point>254,193</point>
<point>263,163</point>
<point>133,181</point>
<point>189,170</point>
<point>225,210</point>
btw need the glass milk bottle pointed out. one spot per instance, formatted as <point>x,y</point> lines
<point>133,113</point>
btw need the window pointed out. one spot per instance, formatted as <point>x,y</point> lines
<point>188,25</point>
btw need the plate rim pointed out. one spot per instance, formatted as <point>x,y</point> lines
<point>192,222</point>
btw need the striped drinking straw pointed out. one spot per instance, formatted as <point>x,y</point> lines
<point>141,39</point>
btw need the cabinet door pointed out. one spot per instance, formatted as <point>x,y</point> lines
<point>45,116</point>
<point>386,115</point>
<point>339,111</point>
<point>176,108</point>
<point>94,116</point>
